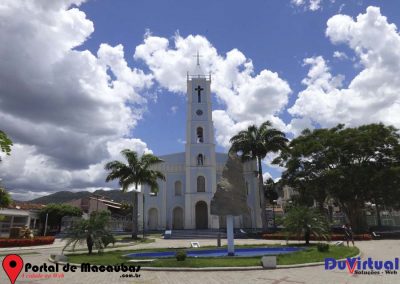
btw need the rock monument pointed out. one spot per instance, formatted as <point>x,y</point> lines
<point>230,199</point>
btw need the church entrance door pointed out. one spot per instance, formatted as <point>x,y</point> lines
<point>153,219</point>
<point>177,223</point>
<point>201,215</point>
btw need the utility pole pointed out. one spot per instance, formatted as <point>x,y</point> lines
<point>45,225</point>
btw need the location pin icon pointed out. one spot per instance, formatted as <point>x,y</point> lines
<point>12,265</point>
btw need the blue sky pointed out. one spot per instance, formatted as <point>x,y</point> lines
<point>104,75</point>
<point>275,34</point>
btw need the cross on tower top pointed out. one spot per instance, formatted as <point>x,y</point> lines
<point>198,58</point>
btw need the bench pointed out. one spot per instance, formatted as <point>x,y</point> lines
<point>376,236</point>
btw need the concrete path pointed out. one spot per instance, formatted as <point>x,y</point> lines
<point>382,250</point>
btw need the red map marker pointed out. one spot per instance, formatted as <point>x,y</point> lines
<point>12,265</point>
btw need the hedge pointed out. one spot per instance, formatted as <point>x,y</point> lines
<point>334,237</point>
<point>26,242</point>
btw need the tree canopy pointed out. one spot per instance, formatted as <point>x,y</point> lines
<point>5,143</point>
<point>255,143</point>
<point>138,170</point>
<point>57,212</point>
<point>350,165</point>
<point>5,199</point>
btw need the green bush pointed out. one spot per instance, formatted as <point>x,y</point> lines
<point>322,247</point>
<point>108,239</point>
<point>181,255</point>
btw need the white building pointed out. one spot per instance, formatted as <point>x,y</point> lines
<point>183,200</point>
<point>10,218</point>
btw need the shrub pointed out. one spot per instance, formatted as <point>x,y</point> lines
<point>108,239</point>
<point>26,242</point>
<point>181,255</point>
<point>15,232</point>
<point>334,237</point>
<point>322,247</point>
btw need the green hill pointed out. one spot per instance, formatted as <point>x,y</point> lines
<point>64,196</point>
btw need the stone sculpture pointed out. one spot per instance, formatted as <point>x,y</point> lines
<point>230,199</point>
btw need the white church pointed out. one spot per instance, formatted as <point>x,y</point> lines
<point>183,200</point>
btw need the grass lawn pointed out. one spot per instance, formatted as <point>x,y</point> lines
<point>20,253</point>
<point>311,254</point>
<point>119,244</point>
<point>128,238</point>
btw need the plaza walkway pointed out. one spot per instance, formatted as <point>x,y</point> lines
<point>382,249</point>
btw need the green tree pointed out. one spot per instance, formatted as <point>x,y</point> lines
<point>94,231</point>
<point>56,212</point>
<point>5,143</point>
<point>255,143</point>
<point>271,190</point>
<point>349,165</point>
<point>307,221</point>
<point>136,171</point>
<point>5,199</point>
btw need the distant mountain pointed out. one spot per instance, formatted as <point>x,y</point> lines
<point>64,196</point>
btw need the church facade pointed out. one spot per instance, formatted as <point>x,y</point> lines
<point>183,200</point>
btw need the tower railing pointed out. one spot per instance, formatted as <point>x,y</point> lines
<point>207,77</point>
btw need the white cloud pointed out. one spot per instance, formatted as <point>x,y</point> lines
<point>63,108</point>
<point>249,98</point>
<point>373,95</point>
<point>174,109</point>
<point>340,55</point>
<point>266,176</point>
<point>312,5</point>
<point>297,125</point>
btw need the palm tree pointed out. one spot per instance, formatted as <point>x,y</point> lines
<point>137,171</point>
<point>94,231</point>
<point>254,144</point>
<point>306,220</point>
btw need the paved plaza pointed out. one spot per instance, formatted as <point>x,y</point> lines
<point>382,250</point>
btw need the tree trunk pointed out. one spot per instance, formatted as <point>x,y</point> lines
<point>262,196</point>
<point>356,218</point>
<point>135,214</point>
<point>307,234</point>
<point>378,215</point>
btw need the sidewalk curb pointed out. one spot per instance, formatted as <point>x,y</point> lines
<point>246,268</point>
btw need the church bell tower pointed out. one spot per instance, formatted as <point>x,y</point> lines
<point>199,153</point>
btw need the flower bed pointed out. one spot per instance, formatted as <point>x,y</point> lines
<point>334,237</point>
<point>26,242</point>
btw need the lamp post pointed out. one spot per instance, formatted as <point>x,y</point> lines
<point>273,212</point>
<point>45,225</point>
<point>143,214</point>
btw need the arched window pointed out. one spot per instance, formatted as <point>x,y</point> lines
<point>200,159</point>
<point>199,132</point>
<point>178,188</point>
<point>201,184</point>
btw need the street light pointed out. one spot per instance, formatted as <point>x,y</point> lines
<point>273,212</point>
<point>143,214</point>
<point>45,225</point>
